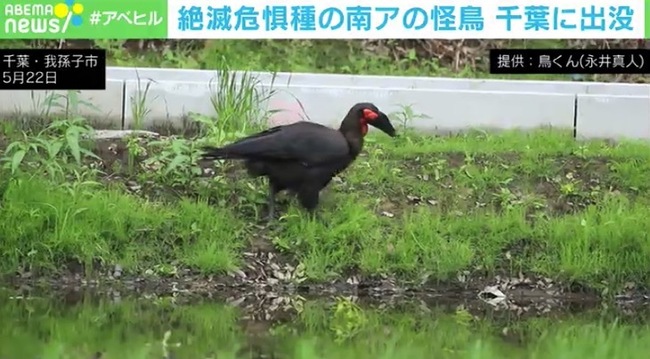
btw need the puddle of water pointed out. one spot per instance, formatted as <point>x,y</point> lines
<point>88,325</point>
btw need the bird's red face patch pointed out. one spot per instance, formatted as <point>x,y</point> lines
<point>369,114</point>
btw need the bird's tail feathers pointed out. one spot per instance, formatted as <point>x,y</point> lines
<point>215,153</point>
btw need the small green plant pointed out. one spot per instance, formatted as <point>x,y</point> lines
<point>237,98</point>
<point>166,270</point>
<point>52,148</point>
<point>506,199</point>
<point>173,161</point>
<point>140,103</point>
<point>403,120</point>
<point>70,103</point>
<point>136,148</point>
<point>569,186</point>
<point>347,320</point>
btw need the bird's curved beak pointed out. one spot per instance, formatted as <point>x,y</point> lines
<point>383,123</point>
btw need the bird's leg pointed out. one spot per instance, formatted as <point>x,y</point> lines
<point>271,200</point>
<point>309,198</point>
<point>273,190</point>
<point>313,215</point>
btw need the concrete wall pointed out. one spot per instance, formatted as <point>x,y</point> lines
<point>443,104</point>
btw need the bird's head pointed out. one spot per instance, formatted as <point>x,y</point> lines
<point>368,114</point>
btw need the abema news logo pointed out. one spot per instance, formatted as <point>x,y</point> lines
<point>39,17</point>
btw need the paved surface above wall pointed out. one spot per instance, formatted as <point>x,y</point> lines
<point>283,79</point>
<point>603,109</point>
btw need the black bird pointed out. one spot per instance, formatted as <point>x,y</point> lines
<point>303,157</point>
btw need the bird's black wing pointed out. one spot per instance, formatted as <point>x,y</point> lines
<point>306,142</point>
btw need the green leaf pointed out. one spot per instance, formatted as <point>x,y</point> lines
<point>54,148</point>
<point>89,153</point>
<point>72,136</point>
<point>174,163</point>
<point>17,159</point>
<point>12,145</point>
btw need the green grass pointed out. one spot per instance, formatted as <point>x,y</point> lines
<point>88,224</point>
<point>135,329</point>
<point>446,209</point>
<point>420,206</point>
<point>538,203</point>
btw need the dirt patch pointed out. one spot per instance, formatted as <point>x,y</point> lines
<point>267,303</point>
<point>567,185</point>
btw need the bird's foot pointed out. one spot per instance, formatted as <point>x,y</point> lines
<point>270,216</point>
<point>313,215</point>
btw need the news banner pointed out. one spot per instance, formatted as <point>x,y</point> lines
<point>334,19</point>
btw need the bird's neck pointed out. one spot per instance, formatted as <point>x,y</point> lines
<point>354,130</point>
<point>354,137</point>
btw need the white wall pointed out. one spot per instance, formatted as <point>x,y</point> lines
<point>603,109</point>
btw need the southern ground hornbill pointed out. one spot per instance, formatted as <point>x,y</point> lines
<point>303,157</point>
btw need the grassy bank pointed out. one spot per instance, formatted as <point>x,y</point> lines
<point>425,209</point>
<point>139,329</point>
<point>421,209</point>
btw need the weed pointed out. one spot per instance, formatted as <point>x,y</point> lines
<point>174,162</point>
<point>236,99</point>
<point>136,150</point>
<point>347,319</point>
<point>405,117</point>
<point>52,147</point>
<point>71,105</point>
<point>139,103</point>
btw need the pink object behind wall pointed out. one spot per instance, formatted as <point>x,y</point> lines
<point>289,111</point>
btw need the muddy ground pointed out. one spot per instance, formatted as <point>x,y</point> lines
<point>260,312</point>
